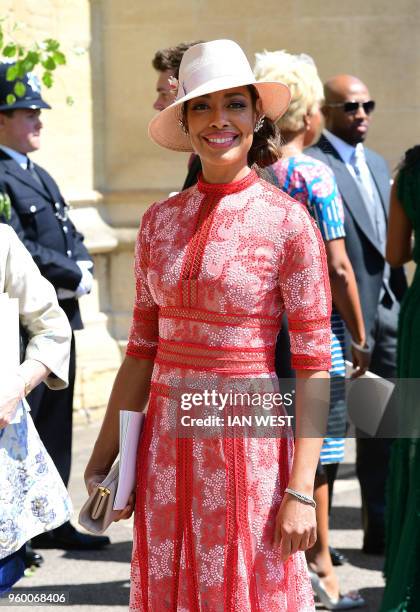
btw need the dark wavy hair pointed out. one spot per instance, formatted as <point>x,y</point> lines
<point>265,148</point>
<point>411,159</point>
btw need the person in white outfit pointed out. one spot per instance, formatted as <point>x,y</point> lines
<point>33,498</point>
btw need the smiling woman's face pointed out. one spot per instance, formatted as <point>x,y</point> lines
<point>221,126</point>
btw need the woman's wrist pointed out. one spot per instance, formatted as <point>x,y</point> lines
<point>359,339</point>
<point>362,347</point>
<point>32,372</point>
<point>305,488</point>
<point>301,497</point>
<point>23,391</point>
<point>102,458</point>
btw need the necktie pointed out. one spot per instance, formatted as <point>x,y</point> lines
<point>375,211</point>
<point>369,193</point>
<point>361,170</point>
<point>31,169</point>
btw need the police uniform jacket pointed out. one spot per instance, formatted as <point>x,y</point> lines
<point>40,219</point>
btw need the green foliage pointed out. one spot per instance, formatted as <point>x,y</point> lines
<point>19,89</point>
<point>49,63</point>
<point>52,44</point>
<point>59,57</point>
<point>46,55</point>
<point>5,206</point>
<point>12,72</point>
<point>9,50</point>
<point>47,79</point>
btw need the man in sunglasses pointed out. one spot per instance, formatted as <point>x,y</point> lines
<point>364,183</point>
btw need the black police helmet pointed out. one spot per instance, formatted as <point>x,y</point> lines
<point>32,97</point>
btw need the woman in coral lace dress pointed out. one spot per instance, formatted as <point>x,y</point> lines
<point>216,266</point>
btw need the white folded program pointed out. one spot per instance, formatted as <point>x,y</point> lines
<point>131,424</point>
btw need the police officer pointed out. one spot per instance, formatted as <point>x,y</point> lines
<point>40,218</point>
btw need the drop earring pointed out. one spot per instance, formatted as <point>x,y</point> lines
<point>259,124</point>
<point>183,126</point>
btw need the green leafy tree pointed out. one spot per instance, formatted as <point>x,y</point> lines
<point>46,55</point>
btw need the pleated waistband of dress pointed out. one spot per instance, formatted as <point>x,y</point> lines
<point>224,360</point>
<point>218,318</point>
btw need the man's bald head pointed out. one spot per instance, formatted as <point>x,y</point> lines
<point>352,127</point>
<point>342,86</point>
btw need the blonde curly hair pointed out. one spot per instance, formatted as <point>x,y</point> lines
<point>300,74</point>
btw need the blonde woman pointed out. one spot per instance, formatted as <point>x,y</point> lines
<point>312,183</point>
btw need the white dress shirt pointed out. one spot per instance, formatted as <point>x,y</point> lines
<point>345,150</point>
<point>352,156</point>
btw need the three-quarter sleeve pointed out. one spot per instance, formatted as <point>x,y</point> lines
<point>45,322</point>
<point>144,332</point>
<point>305,289</point>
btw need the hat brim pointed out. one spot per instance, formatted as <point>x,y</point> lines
<point>166,131</point>
<point>25,104</point>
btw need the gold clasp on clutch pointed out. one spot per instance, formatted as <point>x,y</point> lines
<point>103,491</point>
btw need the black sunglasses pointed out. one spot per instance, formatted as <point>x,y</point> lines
<point>353,107</point>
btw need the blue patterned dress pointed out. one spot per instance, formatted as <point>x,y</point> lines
<point>311,182</point>
<point>33,498</point>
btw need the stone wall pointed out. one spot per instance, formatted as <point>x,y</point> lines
<point>101,142</point>
<point>373,39</point>
<point>70,154</point>
<point>98,149</point>
<point>67,148</point>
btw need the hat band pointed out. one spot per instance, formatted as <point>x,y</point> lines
<point>199,77</point>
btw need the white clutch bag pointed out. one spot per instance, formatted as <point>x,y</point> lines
<point>112,494</point>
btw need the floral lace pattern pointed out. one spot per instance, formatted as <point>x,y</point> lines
<point>33,498</point>
<point>216,266</point>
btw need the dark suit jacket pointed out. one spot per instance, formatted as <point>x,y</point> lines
<point>361,243</point>
<point>39,217</point>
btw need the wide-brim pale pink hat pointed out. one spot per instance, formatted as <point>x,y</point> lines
<point>206,68</point>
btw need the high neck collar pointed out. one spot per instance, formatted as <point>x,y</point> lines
<point>227,188</point>
<point>20,158</point>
